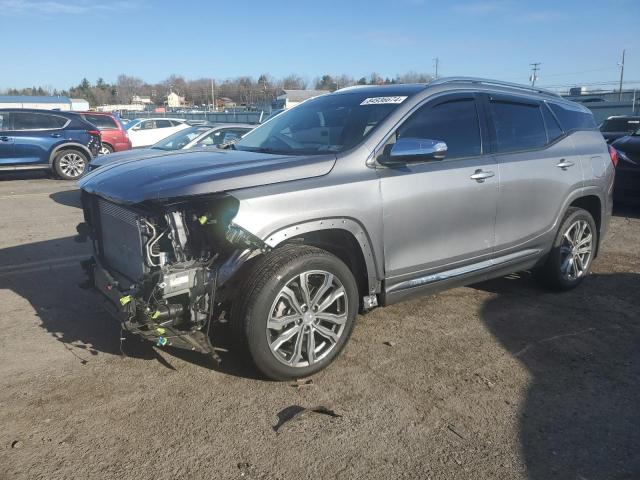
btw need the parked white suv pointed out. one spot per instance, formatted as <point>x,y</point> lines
<point>147,131</point>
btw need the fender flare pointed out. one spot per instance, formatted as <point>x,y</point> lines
<point>335,223</point>
<point>71,145</point>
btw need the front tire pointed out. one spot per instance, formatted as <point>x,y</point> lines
<point>70,164</point>
<point>572,253</point>
<point>296,311</point>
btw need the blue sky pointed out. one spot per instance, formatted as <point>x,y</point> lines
<point>57,42</point>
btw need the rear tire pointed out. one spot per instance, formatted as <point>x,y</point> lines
<point>70,164</point>
<point>105,149</point>
<point>572,253</point>
<point>290,330</point>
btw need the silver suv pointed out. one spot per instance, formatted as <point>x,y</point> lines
<point>363,197</point>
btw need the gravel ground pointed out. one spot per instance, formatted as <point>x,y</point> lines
<point>501,380</point>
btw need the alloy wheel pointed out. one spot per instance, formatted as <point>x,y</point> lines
<point>104,150</point>
<point>576,250</point>
<point>307,318</point>
<point>72,164</point>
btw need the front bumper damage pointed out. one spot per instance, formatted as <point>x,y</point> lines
<point>191,254</point>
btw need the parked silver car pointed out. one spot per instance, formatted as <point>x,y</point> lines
<point>362,197</point>
<point>197,136</point>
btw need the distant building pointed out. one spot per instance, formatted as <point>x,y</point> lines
<point>134,107</point>
<point>225,102</point>
<point>79,105</point>
<point>137,99</point>
<point>291,98</point>
<point>174,100</point>
<point>36,101</point>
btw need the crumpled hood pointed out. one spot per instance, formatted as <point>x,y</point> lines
<point>186,173</point>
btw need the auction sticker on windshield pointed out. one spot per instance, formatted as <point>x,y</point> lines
<point>382,100</point>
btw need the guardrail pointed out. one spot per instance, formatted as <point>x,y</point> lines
<point>213,117</point>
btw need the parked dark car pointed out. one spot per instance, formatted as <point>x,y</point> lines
<point>627,183</point>
<point>62,142</point>
<point>617,127</point>
<point>114,135</point>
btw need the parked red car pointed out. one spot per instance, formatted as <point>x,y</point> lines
<point>114,136</point>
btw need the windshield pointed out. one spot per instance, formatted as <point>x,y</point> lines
<point>330,123</point>
<point>180,139</point>
<point>132,123</point>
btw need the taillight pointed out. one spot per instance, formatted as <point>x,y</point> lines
<point>613,153</point>
<point>94,132</point>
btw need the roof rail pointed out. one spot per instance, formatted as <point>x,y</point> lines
<point>484,81</point>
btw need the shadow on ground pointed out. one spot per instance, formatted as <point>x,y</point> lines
<point>581,419</point>
<point>41,273</point>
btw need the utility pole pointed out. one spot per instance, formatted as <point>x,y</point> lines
<point>621,76</point>
<point>213,97</point>
<point>535,68</point>
<point>436,61</point>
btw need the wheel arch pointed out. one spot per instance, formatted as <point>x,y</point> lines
<point>592,204</point>
<point>343,237</point>
<point>69,146</point>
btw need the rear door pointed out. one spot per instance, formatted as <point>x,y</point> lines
<point>35,135</point>
<point>538,167</point>
<point>6,140</point>
<point>440,215</point>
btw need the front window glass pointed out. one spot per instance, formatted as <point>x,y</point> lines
<point>181,139</point>
<point>454,122</point>
<point>330,123</point>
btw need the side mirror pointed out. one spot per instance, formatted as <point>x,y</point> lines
<point>414,150</point>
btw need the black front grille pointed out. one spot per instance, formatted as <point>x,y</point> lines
<point>121,239</point>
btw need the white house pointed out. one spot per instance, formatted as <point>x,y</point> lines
<point>175,100</point>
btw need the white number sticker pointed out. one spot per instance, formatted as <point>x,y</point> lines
<point>382,100</point>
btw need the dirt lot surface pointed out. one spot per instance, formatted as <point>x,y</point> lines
<point>501,380</point>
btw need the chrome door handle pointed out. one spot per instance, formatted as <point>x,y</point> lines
<point>480,176</point>
<point>564,164</point>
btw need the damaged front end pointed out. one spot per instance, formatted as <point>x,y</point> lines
<point>163,268</point>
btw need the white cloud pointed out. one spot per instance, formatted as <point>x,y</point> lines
<point>52,7</point>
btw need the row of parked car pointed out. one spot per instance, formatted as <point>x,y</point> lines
<point>70,143</point>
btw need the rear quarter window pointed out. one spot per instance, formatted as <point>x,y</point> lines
<point>573,118</point>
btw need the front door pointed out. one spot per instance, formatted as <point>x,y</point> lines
<point>440,215</point>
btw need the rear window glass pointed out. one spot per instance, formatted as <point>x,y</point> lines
<point>553,129</point>
<point>573,118</point>
<point>37,121</point>
<point>163,123</point>
<point>103,122</point>
<point>620,125</point>
<point>519,126</point>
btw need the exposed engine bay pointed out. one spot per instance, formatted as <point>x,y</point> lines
<point>164,267</point>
